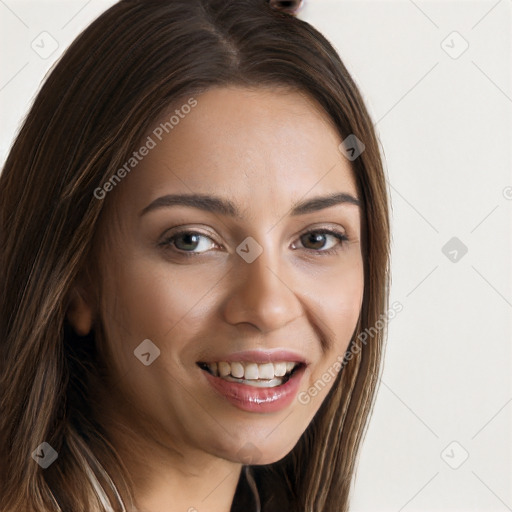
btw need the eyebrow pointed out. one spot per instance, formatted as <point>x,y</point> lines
<point>225,207</point>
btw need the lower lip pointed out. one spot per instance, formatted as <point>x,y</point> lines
<point>252,399</point>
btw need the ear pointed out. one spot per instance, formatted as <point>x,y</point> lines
<point>80,311</point>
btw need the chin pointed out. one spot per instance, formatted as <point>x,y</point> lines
<point>254,451</point>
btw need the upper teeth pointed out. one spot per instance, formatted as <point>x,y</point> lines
<point>251,371</point>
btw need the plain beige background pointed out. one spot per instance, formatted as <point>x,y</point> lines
<point>436,76</point>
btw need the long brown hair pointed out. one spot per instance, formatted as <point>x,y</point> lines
<point>131,63</point>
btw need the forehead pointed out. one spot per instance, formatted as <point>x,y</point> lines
<point>264,147</point>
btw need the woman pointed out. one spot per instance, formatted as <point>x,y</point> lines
<point>195,239</point>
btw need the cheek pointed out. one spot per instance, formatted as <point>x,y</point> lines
<point>168,305</point>
<point>338,304</point>
<point>338,297</point>
<point>341,306</point>
<point>159,302</point>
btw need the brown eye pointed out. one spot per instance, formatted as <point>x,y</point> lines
<point>316,240</point>
<point>188,242</point>
<point>191,240</point>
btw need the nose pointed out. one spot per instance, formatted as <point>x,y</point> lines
<point>261,295</point>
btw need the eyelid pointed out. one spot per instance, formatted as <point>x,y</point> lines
<point>185,228</point>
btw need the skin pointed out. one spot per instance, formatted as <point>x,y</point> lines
<point>264,149</point>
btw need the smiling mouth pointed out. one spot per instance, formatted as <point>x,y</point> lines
<point>266,375</point>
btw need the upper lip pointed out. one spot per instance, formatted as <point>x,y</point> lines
<point>259,356</point>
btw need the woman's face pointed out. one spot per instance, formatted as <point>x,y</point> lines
<point>216,253</point>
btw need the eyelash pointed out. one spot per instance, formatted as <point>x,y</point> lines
<point>334,250</point>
